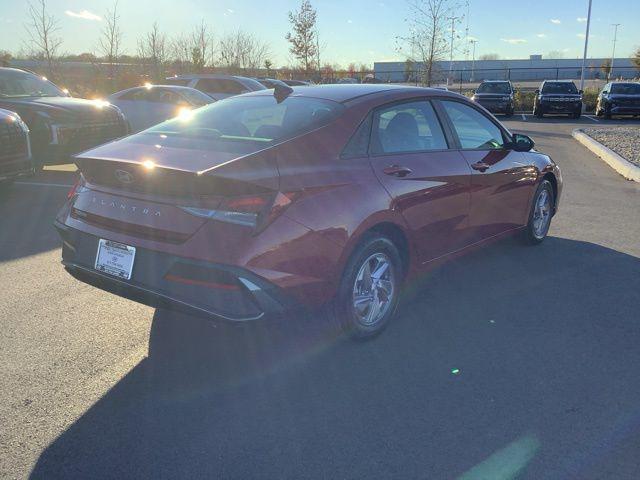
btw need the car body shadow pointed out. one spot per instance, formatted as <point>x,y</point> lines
<point>515,357</point>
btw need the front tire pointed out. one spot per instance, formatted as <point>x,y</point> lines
<point>369,288</point>
<point>540,215</point>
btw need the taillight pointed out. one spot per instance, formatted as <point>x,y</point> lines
<point>77,187</point>
<point>247,210</point>
<point>74,189</point>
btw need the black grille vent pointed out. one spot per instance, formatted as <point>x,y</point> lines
<point>13,141</point>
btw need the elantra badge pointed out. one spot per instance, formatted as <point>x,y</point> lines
<point>123,176</point>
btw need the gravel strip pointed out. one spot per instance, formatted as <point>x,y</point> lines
<point>625,141</point>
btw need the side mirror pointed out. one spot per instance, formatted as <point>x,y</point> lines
<point>580,92</point>
<point>537,91</point>
<point>521,143</point>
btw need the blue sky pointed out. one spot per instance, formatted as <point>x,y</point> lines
<point>353,30</point>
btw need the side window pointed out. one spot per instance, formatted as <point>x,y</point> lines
<point>137,95</point>
<point>220,85</point>
<point>161,95</point>
<point>407,127</point>
<point>183,82</point>
<point>474,130</point>
<point>359,142</point>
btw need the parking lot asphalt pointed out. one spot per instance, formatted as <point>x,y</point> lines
<point>511,362</point>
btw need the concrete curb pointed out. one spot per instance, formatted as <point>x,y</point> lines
<point>624,167</point>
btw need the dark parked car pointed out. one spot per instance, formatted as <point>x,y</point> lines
<point>15,151</point>
<point>153,104</point>
<point>558,96</point>
<point>330,195</point>
<point>59,125</point>
<point>619,98</point>
<point>217,86</point>
<point>496,96</point>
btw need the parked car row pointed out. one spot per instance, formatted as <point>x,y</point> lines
<point>560,97</point>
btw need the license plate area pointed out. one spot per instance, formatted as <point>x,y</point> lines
<point>115,259</point>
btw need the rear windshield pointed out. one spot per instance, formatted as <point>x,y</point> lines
<point>494,88</point>
<point>182,82</point>
<point>626,88</point>
<point>559,87</point>
<point>259,120</point>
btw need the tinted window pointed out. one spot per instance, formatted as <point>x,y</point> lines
<point>495,87</point>
<point>16,83</point>
<point>195,97</point>
<point>473,128</point>
<point>407,127</point>
<point>162,95</point>
<point>220,85</point>
<point>358,145</point>
<point>137,95</point>
<point>182,82</point>
<point>559,87</point>
<point>258,120</point>
<point>626,88</point>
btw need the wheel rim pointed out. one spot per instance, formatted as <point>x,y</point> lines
<point>542,214</point>
<point>373,289</point>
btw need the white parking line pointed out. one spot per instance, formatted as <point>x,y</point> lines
<point>524,117</point>
<point>592,119</point>
<point>42,184</point>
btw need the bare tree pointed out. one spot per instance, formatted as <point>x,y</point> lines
<point>426,42</point>
<point>110,41</point>
<point>242,51</point>
<point>42,29</point>
<point>152,48</point>
<point>304,45</point>
<point>202,47</point>
<point>181,53</point>
<point>635,59</point>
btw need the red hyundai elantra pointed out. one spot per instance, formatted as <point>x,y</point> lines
<point>328,195</point>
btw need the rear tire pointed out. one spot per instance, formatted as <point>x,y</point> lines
<point>370,287</point>
<point>540,215</point>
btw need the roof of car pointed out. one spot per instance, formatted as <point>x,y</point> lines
<point>496,81</point>
<point>211,75</point>
<point>150,87</point>
<point>345,92</point>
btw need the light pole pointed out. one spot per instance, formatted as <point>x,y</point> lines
<point>613,54</point>
<point>586,44</point>
<point>453,26</point>
<point>473,59</point>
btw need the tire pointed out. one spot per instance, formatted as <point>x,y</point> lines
<point>607,115</point>
<point>537,112</point>
<point>508,113</point>
<point>576,115</point>
<point>534,233</point>
<point>373,251</point>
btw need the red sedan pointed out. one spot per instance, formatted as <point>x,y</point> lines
<point>318,196</point>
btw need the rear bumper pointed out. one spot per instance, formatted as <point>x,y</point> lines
<point>177,283</point>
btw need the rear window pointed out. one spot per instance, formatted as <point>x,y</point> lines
<point>256,120</point>
<point>181,82</point>
<point>494,87</point>
<point>626,88</point>
<point>221,85</point>
<point>559,87</point>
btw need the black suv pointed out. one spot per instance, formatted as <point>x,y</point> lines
<point>619,98</point>
<point>60,126</point>
<point>15,153</point>
<point>496,96</point>
<point>558,96</point>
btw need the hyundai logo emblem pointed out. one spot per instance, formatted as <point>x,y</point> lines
<point>123,176</point>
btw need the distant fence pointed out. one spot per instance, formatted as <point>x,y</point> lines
<point>93,78</point>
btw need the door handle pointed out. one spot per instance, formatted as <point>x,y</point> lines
<point>480,166</point>
<point>397,171</point>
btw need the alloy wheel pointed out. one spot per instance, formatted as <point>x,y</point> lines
<point>373,289</point>
<point>542,214</point>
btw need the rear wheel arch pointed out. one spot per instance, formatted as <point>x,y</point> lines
<point>554,184</point>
